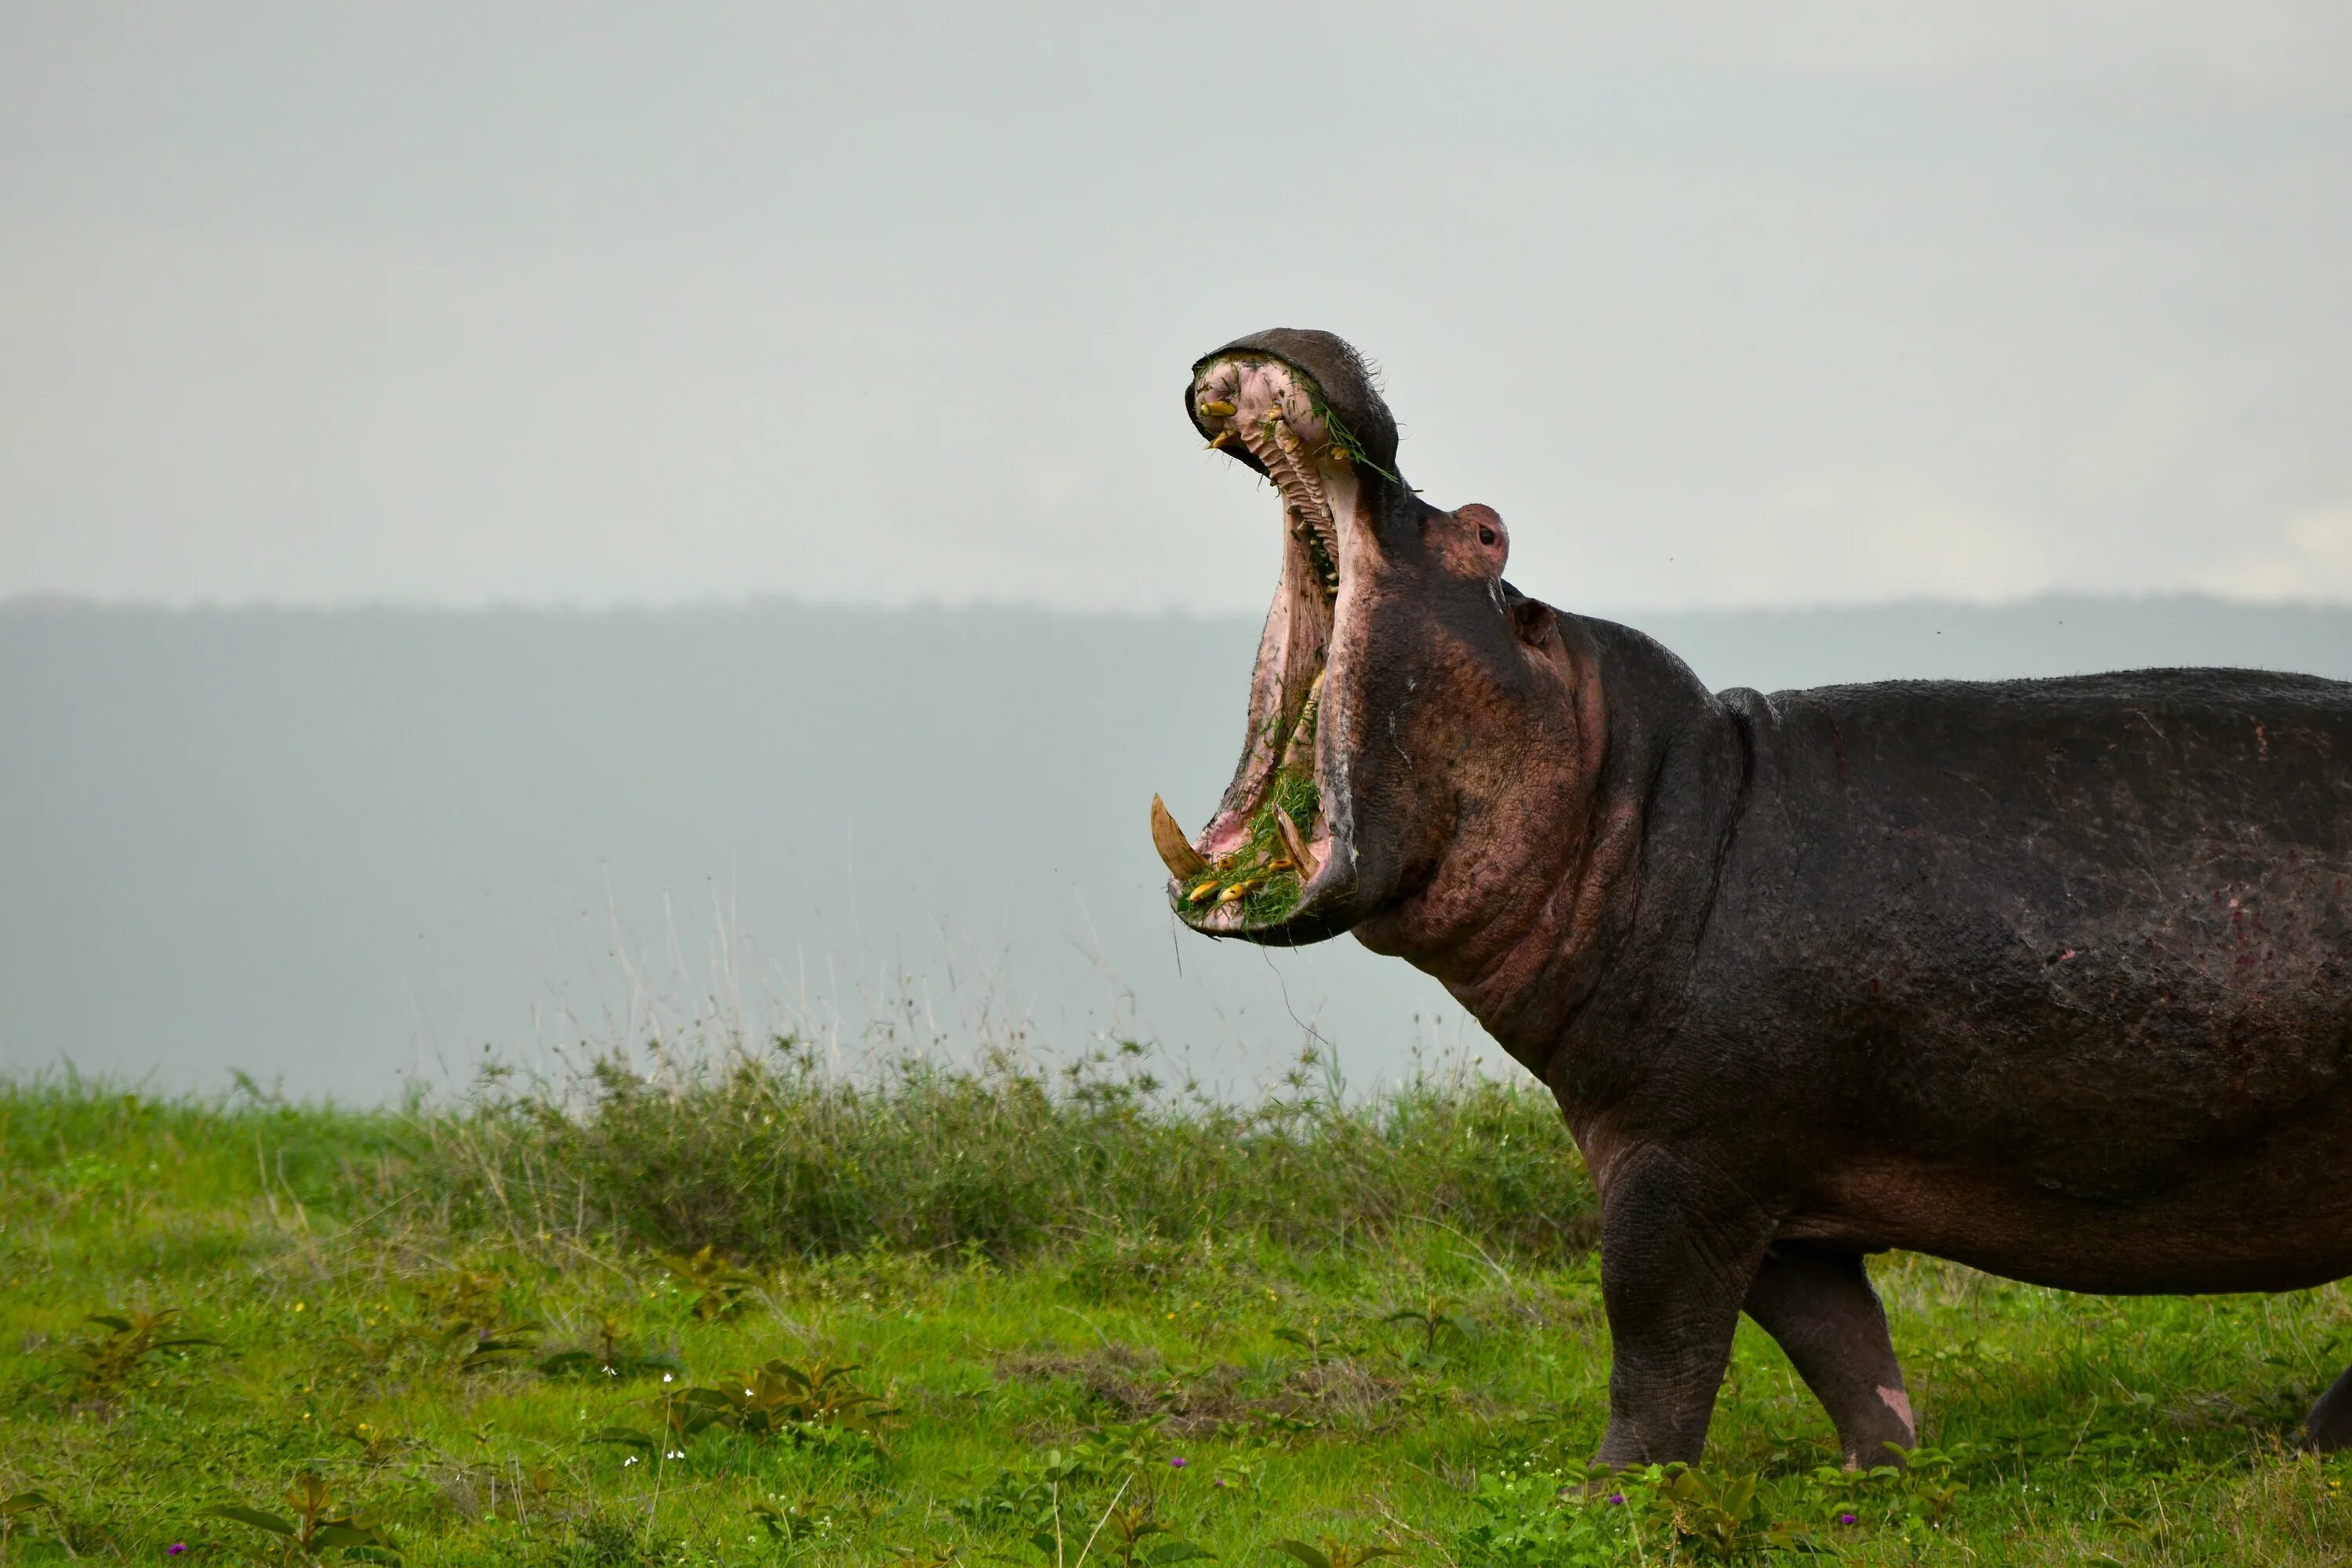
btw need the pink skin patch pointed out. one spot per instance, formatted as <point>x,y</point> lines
<point>1897,1401</point>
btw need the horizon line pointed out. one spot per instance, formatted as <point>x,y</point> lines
<point>36,602</point>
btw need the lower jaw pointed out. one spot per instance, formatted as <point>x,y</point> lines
<point>1261,883</point>
<point>1257,861</point>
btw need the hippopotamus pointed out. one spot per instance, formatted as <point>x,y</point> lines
<point>2053,978</point>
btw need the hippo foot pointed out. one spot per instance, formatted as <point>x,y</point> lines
<point>1819,1306</point>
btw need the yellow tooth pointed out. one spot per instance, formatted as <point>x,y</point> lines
<point>1294,844</point>
<point>1176,851</point>
<point>1201,894</point>
<point>1218,408</point>
<point>1238,890</point>
<point>1223,438</point>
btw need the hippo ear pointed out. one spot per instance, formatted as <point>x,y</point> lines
<point>1532,619</point>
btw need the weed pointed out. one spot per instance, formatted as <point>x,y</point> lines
<point>1431,1316</point>
<point>315,1530</point>
<point>718,1285</point>
<point>807,1523</point>
<point>1331,1553</point>
<point>20,1506</point>
<point>1717,1512</point>
<point>1320,1346</point>
<point>608,1357</point>
<point>601,1541</point>
<point>773,1399</point>
<point>1542,1519</point>
<point>108,1363</point>
<point>1131,1536</point>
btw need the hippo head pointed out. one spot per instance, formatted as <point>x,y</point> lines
<point>1412,721</point>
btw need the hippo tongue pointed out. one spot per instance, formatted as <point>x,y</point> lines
<point>1270,835</point>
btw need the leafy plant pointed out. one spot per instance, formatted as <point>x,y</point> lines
<point>1332,1554</point>
<point>1319,1346</point>
<point>821,1407</point>
<point>461,1302</point>
<point>805,1523</point>
<point>314,1530</point>
<point>21,1505</point>
<point>1547,1519</point>
<point>1717,1512</point>
<point>466,1309</point>
<point>1926,1480</point>
<point>377,1446</point>
<point>718,1285</point>
<point>109,1362</point>
<point>609,1357</point>
<point>1432,1317</point>
<point>928,1557</point>
<point>775,1398</point>
<point>1130,1534</point>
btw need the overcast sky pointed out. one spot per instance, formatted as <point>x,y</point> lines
<point>868,304</point>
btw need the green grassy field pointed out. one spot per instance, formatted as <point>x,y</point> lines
<point>1084,1319</point>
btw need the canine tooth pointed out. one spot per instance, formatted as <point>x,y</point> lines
<point>1217,408</point>
<point>1176,851</point>
<point>1294,844</point>
<point>1221,439</point>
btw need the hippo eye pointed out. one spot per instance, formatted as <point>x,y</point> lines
<point>1485,535</point>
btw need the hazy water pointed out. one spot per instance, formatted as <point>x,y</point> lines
<point>333,849</point>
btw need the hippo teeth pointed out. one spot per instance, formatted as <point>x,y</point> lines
<point>1273,444</point>
<point>1294,844</point>
<point>1262,406</point>
<point>1270,838</point>
<point>1176,852</point>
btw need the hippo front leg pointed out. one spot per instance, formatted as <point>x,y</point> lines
<point>1819,1306</point>
<point>2328,1427</point>
<point>1679,1249</point>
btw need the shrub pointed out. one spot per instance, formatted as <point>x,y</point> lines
<point>768,1155</point>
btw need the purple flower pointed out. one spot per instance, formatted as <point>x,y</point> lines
<point>175,1548</point>
<point>1849,1518</point>
<point>1616,1497</point>
<point>1177,1463</point>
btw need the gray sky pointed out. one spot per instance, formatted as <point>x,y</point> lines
<point>870,304</point>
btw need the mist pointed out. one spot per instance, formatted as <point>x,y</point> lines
<point>354,853</point>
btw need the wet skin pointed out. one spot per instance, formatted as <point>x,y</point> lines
<point>2053,978</point>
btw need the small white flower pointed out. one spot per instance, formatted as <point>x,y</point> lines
<point>674,1454</point>
<point>665,1377</point>
<point>627,1462</point>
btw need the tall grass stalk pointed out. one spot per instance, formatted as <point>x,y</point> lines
<point>767,1153</point>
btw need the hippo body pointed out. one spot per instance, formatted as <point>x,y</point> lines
<point>2050,977</point>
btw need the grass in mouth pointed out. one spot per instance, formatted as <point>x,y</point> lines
<point>1343,440</point>
<point>994,1314</point>
<point>1261,868</point>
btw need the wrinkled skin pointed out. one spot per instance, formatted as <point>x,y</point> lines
<point>2053,978</point>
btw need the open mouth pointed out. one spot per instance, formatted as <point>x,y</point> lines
<point>1269,851</point>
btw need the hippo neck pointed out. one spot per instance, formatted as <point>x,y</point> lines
<point>1604,929</point>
